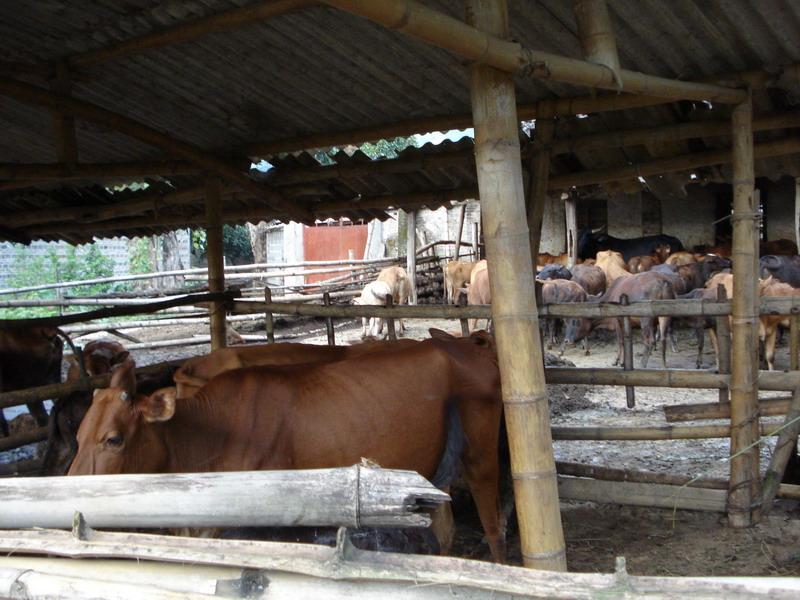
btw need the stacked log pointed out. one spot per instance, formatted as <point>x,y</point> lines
<point>430,284</point>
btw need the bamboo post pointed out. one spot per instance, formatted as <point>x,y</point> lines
<point>462,211</point>
<point>786,444</point>
<point>596,34</point>
<point>571,218</point>
<point>411,253</point>
<point>745,476</point>
<point>391,332</point>
<point>326,300</point>
<point>269,322</point>
<point>794,342</point>
<point>476,235</point>
<point>216,261</point>
<point>627,351</point>
<point>539,172</point>
<point>462,302</point>
<point>723,333</point>
<point>497,157</point>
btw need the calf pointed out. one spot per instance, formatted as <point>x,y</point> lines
<point>29,357</point>
<point>768,324</point>
<point>391,281</point>
<point>782,268</point>
<point>421,408</point>
<point>612,264</point>
<point>456,276</point>
<point>590,277</point>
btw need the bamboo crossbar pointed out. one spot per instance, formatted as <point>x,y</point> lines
<point>767,407</point>
<point>434,27</point>
<point>23,439</point>
<point>659,432</point>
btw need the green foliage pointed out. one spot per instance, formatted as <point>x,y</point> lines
<point>235,244</point>
<point>139,258</point>
<point>380,149</point>
<point>28,270</point>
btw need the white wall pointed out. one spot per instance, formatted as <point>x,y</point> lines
<point>690,219</point>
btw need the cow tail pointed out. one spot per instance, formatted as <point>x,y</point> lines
<point>76,352</point>
<point>447,470</point>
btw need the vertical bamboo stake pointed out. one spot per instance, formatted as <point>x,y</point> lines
<point>538,177</point>
<point>627,351</point>
<point>596,34</point>
<point>462,211</point>
<point>462,302</point>
<point>745,477</point>
<point>216,261</point>
<point>411,253</point>
<point>64,124</point>
<point>497,157</point>
<point>326,300</point>
<point>476,234</point>
<point>391,332</point>
<point>723,343</point>
<point>794,342</point>
<point>783,450</point>
<point>269,322</point>
<point>571,218</point>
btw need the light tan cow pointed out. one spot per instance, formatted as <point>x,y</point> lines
<point>681,258</point>
<point>391,281</point>
<point>456,276</point>
<point>612,264</point>
<point>479,292</point>
<point>768,324</point>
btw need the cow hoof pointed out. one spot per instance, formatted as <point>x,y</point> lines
<point>587,353</point>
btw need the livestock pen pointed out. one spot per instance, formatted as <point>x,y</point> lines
<point>183,99</point>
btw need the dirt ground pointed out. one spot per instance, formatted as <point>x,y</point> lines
<point>654,541</point>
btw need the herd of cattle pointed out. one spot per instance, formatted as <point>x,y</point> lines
<point>654,267</point>
<point>427,406</point>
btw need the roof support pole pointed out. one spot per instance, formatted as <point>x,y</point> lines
<point>411,254</point>
<point>432,26</point>
<point>497,156</point>
<point>745,477</point>
<point>537,184</point>
<point>64,124</point>
<point>597,36</point>
<point>216,261</point>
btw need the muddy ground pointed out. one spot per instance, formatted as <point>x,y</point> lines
<point>654,541</point>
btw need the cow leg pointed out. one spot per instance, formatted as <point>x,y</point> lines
<point>443,526</point>
<point>648,334</point>
<point>620,350</point>
<point>769,348</point>
<point>364,321</point>
<point>712,333</point>
<point>700,335</point>
<point>664,324</point>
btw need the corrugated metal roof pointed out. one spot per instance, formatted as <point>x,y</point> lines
<point>321,70</point>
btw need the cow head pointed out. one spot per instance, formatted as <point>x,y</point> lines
<point>115,436</point>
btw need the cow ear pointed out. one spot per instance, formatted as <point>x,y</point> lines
<point>159,406</point>
<point>481,338</point>
<point>120,357</point>
<point>122,376</point>
<point>438,334</point>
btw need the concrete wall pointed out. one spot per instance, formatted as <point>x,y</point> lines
<point>778,198</point>
<point>625,215</point>
<point>690,219</point>
<point>554,227</point>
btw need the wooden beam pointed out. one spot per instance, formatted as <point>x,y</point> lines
<point>97,171</point>
<point>596,34</point>
<point>187,32</point>
<point>744,468</point>
<point>64,124</point>
<point>668,133</point>
<point>216,261</point>
<point>31,94</point>
<point>434,27</point>
<point>519,349</point>
<point>767,407</point>
<point>670,164</point>
<point>538,174</point>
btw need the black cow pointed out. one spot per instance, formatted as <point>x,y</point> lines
<point>783,268</point>
<point>554,271</point>
<point>589,244</point>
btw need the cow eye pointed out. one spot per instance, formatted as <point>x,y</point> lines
<point>114,440</point>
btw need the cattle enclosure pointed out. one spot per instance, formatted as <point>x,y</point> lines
<point>136,120</point>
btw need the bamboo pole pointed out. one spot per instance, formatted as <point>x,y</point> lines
<point>23,439</point>
<point>670,164</point>
<point>462,301</point>
<point>348,497</point>
<point>269,323</point>
<point>627,352</point>
<point>497,157</point>
<point>64,125</point>
<point>767,407</point>
<point>658,432</point>
<point>538,175</point>
<point>613,474</point>
<point>794,343</point>
<point>411,254</point>
<point>185,32</point>
<point>476,245</point>
<point>624,138</point>
<point>786,444</point>
<point>429,25</point>
<point>216,261</point>
<point>462,211</point>
<point>31,94</point>
<point>597,35</point>
<point>391,332</point>
<point>326,300</point>
<point>571,229</point>
<point>745,476</point>
<point>723,334</point>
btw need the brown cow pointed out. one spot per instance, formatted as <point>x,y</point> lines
<point>561,291</point>
<point>677,259</point>
<point>640,264</point>
<point>612,264</point>
<point>552,259</point>
<point>99,357</point>
<point>198,371</point>
<point>768,324</point>
<point>590,277</point>
<point>456,276</point>
<point>781,247</point>
<point>478,293</point>
<point>29,357</point>
<point>418,408</point>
